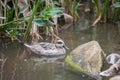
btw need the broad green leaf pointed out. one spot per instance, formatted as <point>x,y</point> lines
<point>49,12</point>
<point>43,22</point>
<point>55,11</point>
<point>24,9</point>
<point>116,5</point>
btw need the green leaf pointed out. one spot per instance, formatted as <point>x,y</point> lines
<point>49,12</point>
<point>24,9</point>
<point>56,3</point>
<point>116,5</point>
<point>43,22</point>
<point>55,11</point>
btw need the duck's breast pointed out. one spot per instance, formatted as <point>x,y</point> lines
<point>53,52</point>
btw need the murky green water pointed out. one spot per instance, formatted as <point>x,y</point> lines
<point>17,63</point>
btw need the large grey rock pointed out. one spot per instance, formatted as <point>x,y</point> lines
<point>86,58</point>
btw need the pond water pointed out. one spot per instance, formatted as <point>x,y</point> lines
<point>18,63</point>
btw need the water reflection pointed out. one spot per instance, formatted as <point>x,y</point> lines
<point>18,63</point>
<point>106,34</point>
<point>47,71</point>
<point>9,64</point>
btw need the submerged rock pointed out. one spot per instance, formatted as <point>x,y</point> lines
<point>86,58</point>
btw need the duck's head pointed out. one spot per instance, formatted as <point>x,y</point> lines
<point>112,58</point>
<point>60,44</point>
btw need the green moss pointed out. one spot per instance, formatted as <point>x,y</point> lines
<point>75,67</point>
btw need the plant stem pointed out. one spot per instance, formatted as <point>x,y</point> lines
<point>31,19</point>
<point>1,25</point>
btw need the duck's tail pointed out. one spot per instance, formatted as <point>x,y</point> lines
<point>27,45</point>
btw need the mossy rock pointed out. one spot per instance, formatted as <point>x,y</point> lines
<point>86,58</point>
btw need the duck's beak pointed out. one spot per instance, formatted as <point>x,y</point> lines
<point>65,47</point>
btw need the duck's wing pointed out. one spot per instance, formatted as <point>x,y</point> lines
<point>34,47</point>
<point>47,46</point>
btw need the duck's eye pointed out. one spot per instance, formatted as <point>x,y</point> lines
<point>115,69</point>
<point>59,42</point>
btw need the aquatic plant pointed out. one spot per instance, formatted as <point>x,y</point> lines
<point>71,7</point>
<point>106,11</point>
<point>18,17</point>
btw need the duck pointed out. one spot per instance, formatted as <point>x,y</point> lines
<point>112,58</point>
<point>114,69</point>
<point>49,49</point>
<point>111,71</point>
